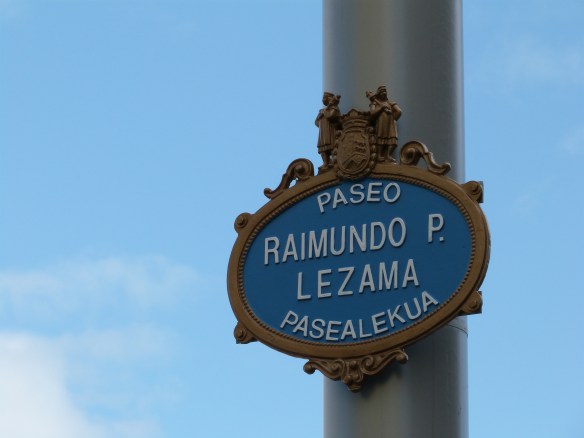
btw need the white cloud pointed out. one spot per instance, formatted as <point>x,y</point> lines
<point>93,287</point>
<point>100,372</point>
<point>35,399</point>
<point>128,343</point>
<point>34,402</point>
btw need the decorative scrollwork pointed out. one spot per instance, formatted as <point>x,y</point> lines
<point>473,304</point>
<point>474,189</point>
<point>413,151</point>
<point>242,335</point>
<point>352,372</point>
<point>300,169</point>
<point>241,221</point>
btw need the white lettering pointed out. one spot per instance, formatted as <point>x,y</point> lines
<point>316,327</point>
<point>384,282</point>
<point>371,192</point>
<point>334,241</point>
<point>349,270</point>
<point>321,284</point>
<point>357,189</point>
<point>433,226</point>
<point>372,245</point>
<point>290,249</point>
<point>380,322</point>
<point>407,307</point>
<point>339,197</point>
<point>302,326</point>
<point>361,241</point>
<point>348,330</point>
<point>376,323</point>
<point>287,319</point>
<point>336,282</point>
<point>330,331</point>
<point>367,279</point>
<point>323,199</point>
<point>427,299</point>
<point>386,192</point>
<point>342,249</point>
<point>314,248</point>
<point>396,243</point>
<point>410,274</point>
<point>361,334</point>
<point>273,250</point>
<point>299,295</point>
<point>394,315</point>
<point>377,191</point>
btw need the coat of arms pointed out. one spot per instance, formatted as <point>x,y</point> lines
<point>354,142</point>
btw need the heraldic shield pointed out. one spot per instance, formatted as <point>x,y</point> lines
<point>354,152</point>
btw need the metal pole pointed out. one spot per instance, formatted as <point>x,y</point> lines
<point>414,47</point>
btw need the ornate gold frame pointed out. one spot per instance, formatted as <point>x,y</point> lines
<point>352,362</point>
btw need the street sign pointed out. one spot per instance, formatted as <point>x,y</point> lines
<point>348,267</point>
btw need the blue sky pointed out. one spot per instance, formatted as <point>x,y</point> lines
<point>132,134</point>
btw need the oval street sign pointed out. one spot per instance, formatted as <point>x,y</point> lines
<point>346,269</point>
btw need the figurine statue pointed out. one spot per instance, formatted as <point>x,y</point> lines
<point>327,121</point>
<point>384,115</point>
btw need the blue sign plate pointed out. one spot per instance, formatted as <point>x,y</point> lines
<point>356,262</point>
